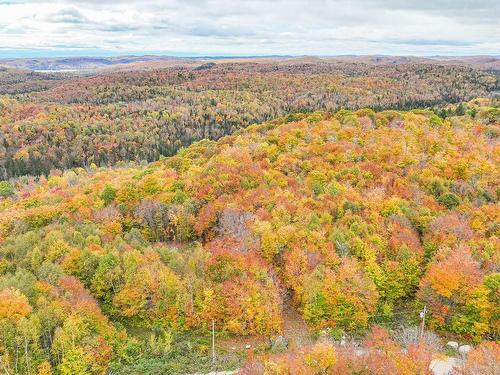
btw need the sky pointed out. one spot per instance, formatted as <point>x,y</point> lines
<point>37,28</point>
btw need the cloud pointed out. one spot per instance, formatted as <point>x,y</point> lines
<point>66,15</point>
<point>434,42</point>
<point>250,27</point>
<point>117,28</point>
<point>466,11</point>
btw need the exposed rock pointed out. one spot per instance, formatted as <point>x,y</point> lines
<point>343,341</point>
<point>464,349</point>
<point>443,366</point>
<point>452,344</point>
<point>280,344</point>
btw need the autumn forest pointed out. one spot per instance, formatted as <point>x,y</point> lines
<point>270,216</point>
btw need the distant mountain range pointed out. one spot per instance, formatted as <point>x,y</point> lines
<point>54,64</point>
<point>77,63</point>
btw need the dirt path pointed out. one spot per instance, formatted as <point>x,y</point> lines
<point>238,343</point>
<point>295,329</point>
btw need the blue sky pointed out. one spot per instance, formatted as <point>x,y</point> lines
<point>38,28</point>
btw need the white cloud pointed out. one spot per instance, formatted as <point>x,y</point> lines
<point>249,27</point>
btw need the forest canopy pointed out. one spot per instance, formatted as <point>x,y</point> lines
<point>59,121</point>
<point>353,217</point>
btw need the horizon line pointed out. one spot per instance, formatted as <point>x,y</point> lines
<point>109,54</point>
